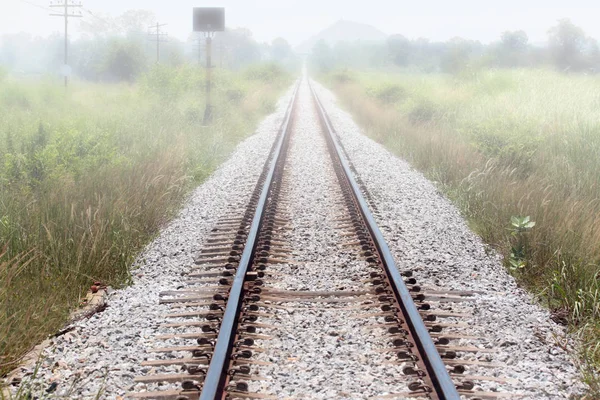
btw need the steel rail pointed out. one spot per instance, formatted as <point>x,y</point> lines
<point>217,370</point>
<point>436,369</point>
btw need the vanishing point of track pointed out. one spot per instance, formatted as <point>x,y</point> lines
<point>233,270</point>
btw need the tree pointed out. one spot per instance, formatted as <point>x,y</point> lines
<point>515,40</point>
<point>457,55</point>
<point>124,61</point>
<point>512,49</point>
<point>131,21</point>
<point>175,55</point>
<point>593,55</point>
<point>280,49</point>
<point>88,57</point>
<point>322,56</point>
<point>567,43</point>
<point>136,21</point>
<point>235,47</point>
<point>28,54</point>
<point>427,55</point>
<point>399,48</point>
<point>98,25</point>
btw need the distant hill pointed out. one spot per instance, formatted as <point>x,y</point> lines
<point>343,31</point>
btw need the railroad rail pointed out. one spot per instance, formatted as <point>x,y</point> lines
<point>428,356</point>
<point>231,279</point>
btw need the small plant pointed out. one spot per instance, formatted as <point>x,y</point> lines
<point>518,251</point>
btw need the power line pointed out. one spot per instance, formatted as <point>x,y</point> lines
<point>107,23</point>
<point>36,5</point>
<point>110,23</point>
<point>94,15</point>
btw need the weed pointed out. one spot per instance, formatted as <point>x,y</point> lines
<point>518,251</point>
<point>89,177</point>
<point>502,144</point>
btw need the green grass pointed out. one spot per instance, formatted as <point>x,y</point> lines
<point>89,175</point>
<point>505,144</point>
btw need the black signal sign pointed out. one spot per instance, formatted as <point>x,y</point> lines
<point>209,19</point>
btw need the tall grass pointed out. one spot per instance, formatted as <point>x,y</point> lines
<point>503,144</point>
<point>88,176</point>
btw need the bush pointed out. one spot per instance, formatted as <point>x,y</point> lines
<point>388,93</point>
<point>235,95</point>
<point>124,62</point>
<point>269,72</point>
<point>86,180</point>
<point>518,146</point>
<point>424,111</point>
<point>173,82</point>
<point>342,77</point>
<point>13,96</point>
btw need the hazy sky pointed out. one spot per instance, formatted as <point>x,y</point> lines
<point>297,20</point>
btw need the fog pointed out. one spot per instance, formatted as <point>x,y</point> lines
<point>105,132</point>
<point>297,20</point>
<point>372,34</point>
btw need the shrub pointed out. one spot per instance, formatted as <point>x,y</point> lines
<point>269,72</point>
<point>424,111</point>
<point>235,94</point>
<point>171,83</point>
<point>388,93</point>
<point>124,62</point>
<point>518,146</point>
<point>13,96</point>
<point>342,77</point>
<point>86,180</point>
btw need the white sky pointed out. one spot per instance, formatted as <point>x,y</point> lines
<point>298,20</point>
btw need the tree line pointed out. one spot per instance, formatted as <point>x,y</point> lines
<point>120,49</point>
<point>568,49</point>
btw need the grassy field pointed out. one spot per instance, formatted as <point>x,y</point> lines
<point>89,175</point>
<point>519,152</point>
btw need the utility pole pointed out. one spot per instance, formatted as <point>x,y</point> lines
<point>66,14</point>
<point>208,109</point>
<point>199,49</point>
<point>208,20</point>
<point>159,36</point>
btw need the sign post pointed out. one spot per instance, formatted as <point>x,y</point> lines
<point>209,20</point>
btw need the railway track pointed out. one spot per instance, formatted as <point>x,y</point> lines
<point>241,293</point>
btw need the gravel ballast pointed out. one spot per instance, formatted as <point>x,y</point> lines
<point>427,235</point>
<point>321,350</point>
<point>316,348</point>
<point>103,353</point>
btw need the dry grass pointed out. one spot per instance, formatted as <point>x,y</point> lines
<point>503,144</point>
<point>88,177</point>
